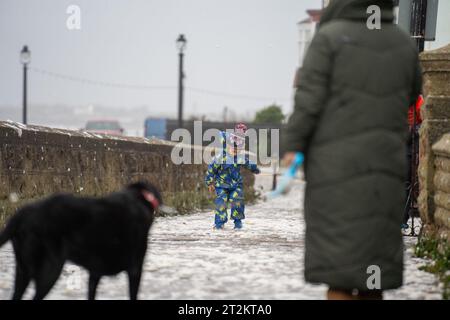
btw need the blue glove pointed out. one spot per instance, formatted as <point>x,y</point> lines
<point>284,185</point>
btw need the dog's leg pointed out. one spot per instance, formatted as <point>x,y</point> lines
<point>46,277</point>
<point>94,279</point>
<point>134,278</point>
<point>21,282</point>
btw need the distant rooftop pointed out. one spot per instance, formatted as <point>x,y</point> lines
<point>313,16</point>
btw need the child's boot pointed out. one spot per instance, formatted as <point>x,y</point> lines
<point>219,226</point>
<point>237,224</point>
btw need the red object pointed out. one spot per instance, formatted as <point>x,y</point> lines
<point>240,128</point>
<point>411,110</point>
<point>150,197</point>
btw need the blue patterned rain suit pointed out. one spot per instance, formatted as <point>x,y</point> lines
<point>224,172</point>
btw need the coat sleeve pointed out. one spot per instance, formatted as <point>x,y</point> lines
<point>312,90</point>
<point>253,167</point>
<point>211,172</point>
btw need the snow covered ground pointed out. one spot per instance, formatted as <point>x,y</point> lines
<point>187,259</point>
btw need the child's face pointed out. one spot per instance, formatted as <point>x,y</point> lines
<point>232,150</point>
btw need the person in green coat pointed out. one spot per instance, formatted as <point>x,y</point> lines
<point>350,121</point>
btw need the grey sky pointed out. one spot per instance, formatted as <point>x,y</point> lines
<point>244,47</point>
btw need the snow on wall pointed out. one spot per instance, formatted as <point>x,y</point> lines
<point>38,161</point>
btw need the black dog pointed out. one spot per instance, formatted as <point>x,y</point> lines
<point>104,235</point>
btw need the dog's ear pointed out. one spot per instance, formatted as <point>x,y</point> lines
<point>138,185</point>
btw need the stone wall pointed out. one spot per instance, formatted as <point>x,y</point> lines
<point>37,161</point>
<point>441,216</point>
<point>433,161</point>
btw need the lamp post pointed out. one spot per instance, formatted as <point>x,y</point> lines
<point>181,44</point>
<point>418,22</point>
<point>25,58</point>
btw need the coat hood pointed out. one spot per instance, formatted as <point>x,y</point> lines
<point>356,10</point>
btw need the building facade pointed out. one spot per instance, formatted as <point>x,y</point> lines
<point>307,29</point>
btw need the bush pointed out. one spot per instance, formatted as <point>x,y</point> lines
<point>439,252</point>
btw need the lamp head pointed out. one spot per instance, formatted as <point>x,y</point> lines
<point>25,55</point>
<point>181,43</point>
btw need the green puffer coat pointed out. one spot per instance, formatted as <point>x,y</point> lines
<point>350,120</point>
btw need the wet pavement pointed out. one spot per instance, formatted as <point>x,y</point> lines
<point>187,259</point>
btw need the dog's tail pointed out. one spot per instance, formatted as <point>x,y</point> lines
<point>6,234</point>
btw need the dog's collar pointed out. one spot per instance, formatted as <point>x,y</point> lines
<point>150,197</point>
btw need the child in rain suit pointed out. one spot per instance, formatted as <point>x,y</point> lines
<point>224,177</point>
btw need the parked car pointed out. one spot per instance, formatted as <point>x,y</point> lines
<point>109,127</point>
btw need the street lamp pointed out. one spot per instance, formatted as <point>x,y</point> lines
<point>181,45</point>
<point>419,23</point>
<point>25,58</point>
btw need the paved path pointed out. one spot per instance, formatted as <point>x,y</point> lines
<point>187,259</point>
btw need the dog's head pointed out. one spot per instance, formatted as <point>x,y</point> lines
<point>147,193</point>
